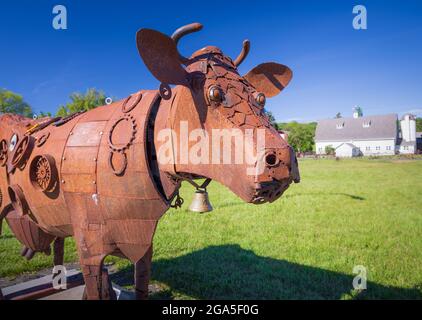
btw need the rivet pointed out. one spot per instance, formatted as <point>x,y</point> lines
<point>94,182</point>
<point>71,133</point>
<point>63,181</point>
<point>64,158</point>
<point>95,159</point>
<point>101,133</point>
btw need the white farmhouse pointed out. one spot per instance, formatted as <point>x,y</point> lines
<point>369,135</point>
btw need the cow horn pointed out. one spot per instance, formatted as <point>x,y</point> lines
<point>243,54</point>
<point>183,31</point>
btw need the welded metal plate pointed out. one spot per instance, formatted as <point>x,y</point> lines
<point>86,134</point>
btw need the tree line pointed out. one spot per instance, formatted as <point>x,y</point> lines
<point>11,102</point>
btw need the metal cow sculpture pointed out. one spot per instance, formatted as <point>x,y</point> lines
<point>95,175</point>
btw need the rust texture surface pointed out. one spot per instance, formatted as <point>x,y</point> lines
<point>95,175</point>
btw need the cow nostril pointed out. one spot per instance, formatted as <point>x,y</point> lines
<point>271,159</point>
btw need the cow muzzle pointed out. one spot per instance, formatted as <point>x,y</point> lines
<point>281,169</point>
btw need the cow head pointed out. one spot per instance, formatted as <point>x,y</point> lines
<point>211,97</point>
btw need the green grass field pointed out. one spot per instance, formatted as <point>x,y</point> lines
<point>303,246</point>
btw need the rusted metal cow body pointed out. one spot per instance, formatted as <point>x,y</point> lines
<point>95,175</point>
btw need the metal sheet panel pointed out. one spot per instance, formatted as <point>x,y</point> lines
<point>86,134</point>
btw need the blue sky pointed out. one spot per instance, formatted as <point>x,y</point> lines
<point>335,66</point>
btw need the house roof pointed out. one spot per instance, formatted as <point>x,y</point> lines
<point>380,127</point>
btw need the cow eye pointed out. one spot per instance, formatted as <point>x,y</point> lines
<point>260,99</point>
<point>216,94</point>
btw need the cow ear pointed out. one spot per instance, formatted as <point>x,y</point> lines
<point>160,55</point>
<point>269,78</point>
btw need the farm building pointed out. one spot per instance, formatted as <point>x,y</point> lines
<point>369,135</point>
<point>347,150</point>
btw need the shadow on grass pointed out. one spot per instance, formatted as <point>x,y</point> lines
<point>230,272</point>
<point>352,196</point>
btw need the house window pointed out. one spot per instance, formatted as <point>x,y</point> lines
<point>405,147</point>
<point>366,124</point>
<point>320,150</point>
<point>388,148</point>
<point>340,125</point>
<point>377,148</point>
<point>368,148</point>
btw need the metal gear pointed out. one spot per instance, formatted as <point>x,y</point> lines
<point>42,139</point>
<point>43,173</point>
<point>132,137</point>
<point>128,108</point>
<point>22,151</point>
<point>122,169</point>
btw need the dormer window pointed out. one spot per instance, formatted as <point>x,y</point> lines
<point>366,124</point>
<point>340,125</point>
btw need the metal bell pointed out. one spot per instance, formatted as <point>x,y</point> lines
<point>200,202</point>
